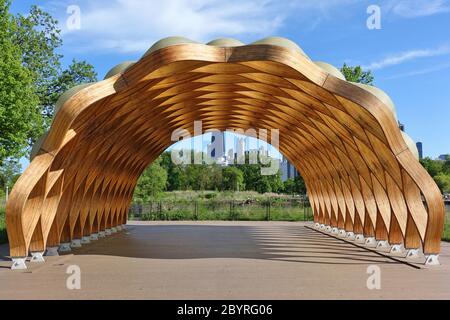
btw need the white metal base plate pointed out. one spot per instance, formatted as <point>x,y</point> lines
<point>370,242</point>
<point>52,251</point>
<point>18,264</point>
<point>359,238</point>
<point>432,260</point>
<point>37,257</point>
<point>76,243</point>
<point>65,247</point>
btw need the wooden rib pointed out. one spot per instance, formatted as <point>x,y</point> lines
<point>360,175</point>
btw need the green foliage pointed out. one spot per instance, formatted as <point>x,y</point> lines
<point>9,173</point>
<point>18,112</point>
<point>443,182</point>
<point>440,171</point>
<point>433,167</point>
<point>294,186</point>
<point>446,166</point>
<point>214,177</point>
<point>151,183</point>
<point>78,72</point>
<point>38,36</point>
<point>357,74</point>
<point>3,234</point>
<point>31,79</point>
<point>233,178</point>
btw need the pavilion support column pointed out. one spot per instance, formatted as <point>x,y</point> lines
<point>65,238</point>
<point>358,229</point>
<point>53,242</point>
<point>412,239</point>
<point>37,244</point>
<point>395,237</point>
<point>76,234</point>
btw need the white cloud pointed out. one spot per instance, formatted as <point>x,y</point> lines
<point>419,8</point>
<point>419,72</point>
<point>131,26</point>
<point>403,57</point>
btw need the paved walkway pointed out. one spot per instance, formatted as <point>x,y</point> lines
<point>223,260</point>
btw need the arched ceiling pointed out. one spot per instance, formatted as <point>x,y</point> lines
<point>361,171</point>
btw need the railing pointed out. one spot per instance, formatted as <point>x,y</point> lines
<point>246,210</point>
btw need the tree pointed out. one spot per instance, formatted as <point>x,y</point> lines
<point>296,185</point>
<point>233,178</point>
<point>18,113</point>
<point>78,72</point>
<point>38,36</point>
<point>357,74</point>
<point>289,186</point>
<point>432,166</point>
<point>446,166</point>
<point>152,182</point>
<point>443,182</point>
<point>9,173</point>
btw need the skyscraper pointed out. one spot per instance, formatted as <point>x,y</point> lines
<point>420,149</point>
<point>216,149</point>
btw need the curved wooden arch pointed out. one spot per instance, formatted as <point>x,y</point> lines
<point>360,174</point>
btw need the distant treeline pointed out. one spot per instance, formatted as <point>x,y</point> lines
<point>164,175</point>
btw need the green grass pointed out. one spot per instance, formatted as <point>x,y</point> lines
<point>446,233</point>
<point>213,209</point>
<point>3,235</point>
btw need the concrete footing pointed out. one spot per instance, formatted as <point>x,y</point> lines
<point>412,254</point>
<point>397,249</point>
<point>432,260</point>
<point>85,240</point>
<point>328,229</point>
<point>101,234</point>
<point>18,264</point>
<point>370,242</point>
<point>317,225</point>
<point>65,247</point>
<point>119,228</point>
<point>359,238</point>
<point>342,233</point>
<point>113,230</point>
<point>37,257</point>
<point>350,236</point>
<point>383,245</point>
<point>52,251</point>
<point>107,232</point>
<point>76,243</point>
<point>334,231</point>
<point>94,237</point>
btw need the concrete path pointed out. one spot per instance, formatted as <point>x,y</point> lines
<point>223,260</point>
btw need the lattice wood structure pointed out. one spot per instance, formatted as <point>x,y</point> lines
<point>360,170</point>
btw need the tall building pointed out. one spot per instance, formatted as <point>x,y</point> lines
<point>288,171</point>
<point>444,157</point>
<point>216,149</point>
<point>419,146</point>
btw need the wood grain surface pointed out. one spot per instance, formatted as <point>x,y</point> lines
<point>345,142</point>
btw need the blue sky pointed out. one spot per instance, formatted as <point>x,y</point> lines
<point>409,55</point>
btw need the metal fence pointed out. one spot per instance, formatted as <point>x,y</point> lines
<point>246,210</point>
